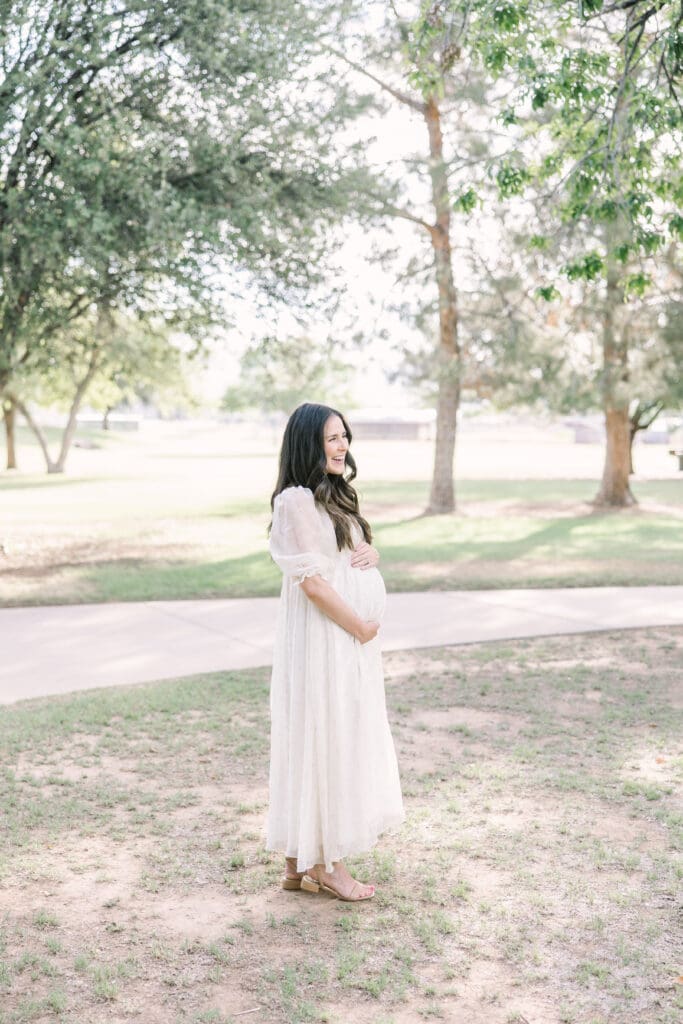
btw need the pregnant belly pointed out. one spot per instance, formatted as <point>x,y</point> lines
<point>365,591</point>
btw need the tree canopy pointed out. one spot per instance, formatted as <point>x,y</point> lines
<point>147,144</point>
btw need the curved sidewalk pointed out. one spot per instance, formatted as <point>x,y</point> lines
<point>51,650</point>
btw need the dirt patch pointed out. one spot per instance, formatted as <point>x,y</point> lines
<point>105,768</point>
<point>463,719</point>
<point>204,915</point>
<point>657,766</point>
<point>65,546</point>
<point>533,880</point>
<point>479,997</point>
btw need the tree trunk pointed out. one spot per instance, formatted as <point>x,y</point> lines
<point>37,430</point>
<point>9,410</point>
<point>642,417</point>
<point>442,495</point>
<point>70,429</point>
<point>67,436</point>
<point>105,419</point>
<point>615,491</point>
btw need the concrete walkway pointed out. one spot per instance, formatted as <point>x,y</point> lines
<point>50,650</point>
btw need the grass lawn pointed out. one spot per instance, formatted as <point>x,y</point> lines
<point>535,880</point>
<point>181,511</point>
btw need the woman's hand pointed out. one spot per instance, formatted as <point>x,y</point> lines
<point>364,556</point>
<point>326,598</point>
<point>368,631</point>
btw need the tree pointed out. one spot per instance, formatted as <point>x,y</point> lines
<point>421,58</point>
<point>523,351</point>
<point>76,358</point>
<point>145,363</point>
<point>112,360</point>
<point>589,115</point>
<point>589,106</point>
<point>597,81</point>
<point>141,143</point>
<point>276,375</point>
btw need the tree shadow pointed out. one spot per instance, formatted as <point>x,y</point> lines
<point>556,538</point>
<point>253,575</point>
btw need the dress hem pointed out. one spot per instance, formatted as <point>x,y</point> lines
<point>349,850</point>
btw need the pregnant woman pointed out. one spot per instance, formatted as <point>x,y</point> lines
<point>334,782</point>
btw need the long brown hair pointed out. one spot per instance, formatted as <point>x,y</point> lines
<point>303,462</point>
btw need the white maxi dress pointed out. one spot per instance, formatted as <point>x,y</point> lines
<point>334,782</point>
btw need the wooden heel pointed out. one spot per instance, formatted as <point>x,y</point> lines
<point>291,883</point>
<point>309,884</point>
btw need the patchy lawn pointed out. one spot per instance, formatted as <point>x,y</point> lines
<point>80,541</point>
<point>535,879</point>
<point>180,510</point>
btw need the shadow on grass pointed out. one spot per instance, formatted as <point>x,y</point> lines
<point>251,575</point>
<point>594,536</point>
<point>558,544</point>
<point>532,491</point>
<point>436,552</point>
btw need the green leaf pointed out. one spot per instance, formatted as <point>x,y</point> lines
<point>636,284</point>
<point>587,268</point>
<point>607,210</point>
<point>466,201</point>
<point>507,16</point>
<point>540,97</point>
<point>649,241</point>
<point>588,7</point>
<point>508,116</point>
<point>676,225</point>
<point>511,179</point>
<point>497,57</point>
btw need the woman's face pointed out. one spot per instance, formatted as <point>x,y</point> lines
<point>336,445</point>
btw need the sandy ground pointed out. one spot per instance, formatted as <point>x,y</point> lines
<point>531,883</point>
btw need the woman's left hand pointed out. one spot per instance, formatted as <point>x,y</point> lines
<point>364,556</point>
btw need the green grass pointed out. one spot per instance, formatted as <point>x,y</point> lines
<point>183,513</point>
<point>535,877</point>
<point>460,552</point>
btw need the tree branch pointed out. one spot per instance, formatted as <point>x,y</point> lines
<point>402,97</point>
<point>397,211</point>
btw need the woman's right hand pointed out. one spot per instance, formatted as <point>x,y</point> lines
<point>368,631</point>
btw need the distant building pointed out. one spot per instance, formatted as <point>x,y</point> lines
<point>380,425</point>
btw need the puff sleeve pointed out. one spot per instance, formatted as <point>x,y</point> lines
<point>297,541</point>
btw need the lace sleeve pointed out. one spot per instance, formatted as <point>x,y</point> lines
<point>296,539</point>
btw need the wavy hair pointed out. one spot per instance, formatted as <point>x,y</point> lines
<point>303,462</point>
